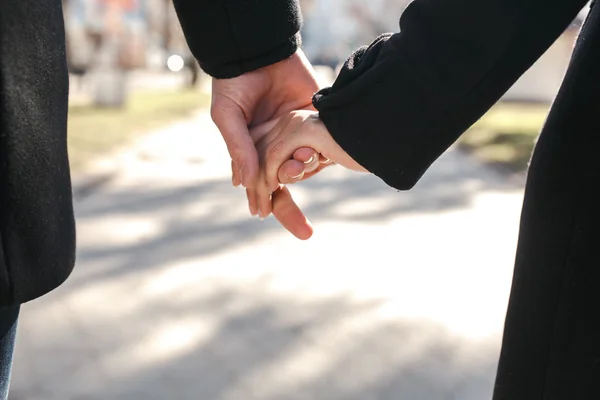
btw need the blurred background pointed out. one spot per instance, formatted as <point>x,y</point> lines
<point>179,294</point>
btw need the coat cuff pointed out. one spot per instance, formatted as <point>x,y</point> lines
<point>385,137</point>
<point>225,70</point>
<point>232,37</point>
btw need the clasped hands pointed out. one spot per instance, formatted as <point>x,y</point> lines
<point>274,136</point>
<point>294,147</point>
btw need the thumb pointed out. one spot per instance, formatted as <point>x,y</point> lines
<point>230,120</point>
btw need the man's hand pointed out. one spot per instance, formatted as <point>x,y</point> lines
<point>254,98</point>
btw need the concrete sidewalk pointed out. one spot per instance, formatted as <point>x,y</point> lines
<point>180,294</point>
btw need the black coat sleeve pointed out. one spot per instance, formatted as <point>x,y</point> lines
<point>399,103</point>
<point>231,37</point>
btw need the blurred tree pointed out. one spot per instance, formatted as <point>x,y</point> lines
<point>175,43</point>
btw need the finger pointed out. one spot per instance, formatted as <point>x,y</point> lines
<point>274,156</point>
<point>259,131</point>
<point>264,200</point>
<point>252,201</point>
<point>320,168</point>
<point>289,214</point>
<point>230,120</point>
<point>305,154</point>
<point>324,160</point>
<point>235,178</point>
<point>291,171</point>
<point>297,133</point>
<point>265,133</point>
<point>309,157</point>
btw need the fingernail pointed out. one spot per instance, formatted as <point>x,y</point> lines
<point>311,159</point>
<point>299,176</point>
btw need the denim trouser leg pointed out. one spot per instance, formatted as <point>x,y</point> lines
<point>8,330</point>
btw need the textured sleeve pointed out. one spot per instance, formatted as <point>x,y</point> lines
<point>231,37</point>
<point>399,103</point>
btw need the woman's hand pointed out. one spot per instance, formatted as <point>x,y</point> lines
<point>304,163</point>
<point>298,130</point>
<point>295,147</point>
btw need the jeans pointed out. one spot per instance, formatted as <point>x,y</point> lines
<point>8,330</point>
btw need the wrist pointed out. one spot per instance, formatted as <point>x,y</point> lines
<point>285,68</point>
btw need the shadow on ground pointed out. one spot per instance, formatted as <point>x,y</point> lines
<point>242,342</point>
<point>228,347</point>
<point>345,197</point>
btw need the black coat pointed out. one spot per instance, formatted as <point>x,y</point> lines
<point>37,233</point>
<point>37,230</point>
<point>396,106</point>
<point>400,103</point>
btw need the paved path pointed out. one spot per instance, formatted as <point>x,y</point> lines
<point>179,294</point>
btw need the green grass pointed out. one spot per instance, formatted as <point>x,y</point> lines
<point>96,131</point>
<point>506,135</point>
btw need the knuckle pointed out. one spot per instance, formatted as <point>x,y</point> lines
<point>215,114</point>
<point>241,165</point>
<point>276,151</point>
<point>237,160</point>
<point>296,118</point>
<point>237,153</point>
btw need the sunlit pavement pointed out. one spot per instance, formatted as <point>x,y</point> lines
<point>180,294</point>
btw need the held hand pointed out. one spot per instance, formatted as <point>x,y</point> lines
<point>284,208</point>
<point>304,163</point>
<point>292,139</point>
<point>298,130</point>
<point>254,98</point>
